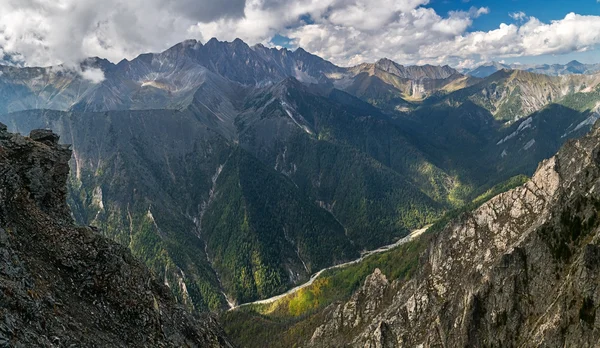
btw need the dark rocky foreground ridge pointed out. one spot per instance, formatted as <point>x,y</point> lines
<point>62,285</point>
<point>522,270</point>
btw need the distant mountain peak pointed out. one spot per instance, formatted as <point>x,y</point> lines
<point>575,63</point>
<point>282,87</point>
<point>500,65</point>
<point>414,72</point>
<point>239,42</point>
<point>190,42</point>
<point>386,60</point>
<point>573,67</point>
<point>96,62</point>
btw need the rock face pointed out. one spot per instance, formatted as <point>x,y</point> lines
<point>360,309</point>
<point>521,270</point>
<point>416,72</point>
<point>62,285</point>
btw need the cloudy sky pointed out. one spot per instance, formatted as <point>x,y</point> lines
<point>461,33</point>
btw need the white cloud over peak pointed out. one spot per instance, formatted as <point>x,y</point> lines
<point>48,32</point>
<point>466,64</point>
<point>400,39</point>
<point>347,32</point>
<point>94,75</point>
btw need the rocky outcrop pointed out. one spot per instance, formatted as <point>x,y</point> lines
<point>521,270</point>
<point>361,308</point>
<point>415,72</point>
<point>62,285</point>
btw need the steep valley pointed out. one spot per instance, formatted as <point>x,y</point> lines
<point>235,173</point>
<point>519,270</point>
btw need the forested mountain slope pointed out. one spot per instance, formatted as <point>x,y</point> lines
<point>521,269</point>
<point>236,172</point>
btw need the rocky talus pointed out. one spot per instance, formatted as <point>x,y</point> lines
<point>522,270</point>
<point>66,286</point>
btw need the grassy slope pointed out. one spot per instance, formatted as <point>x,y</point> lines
<point>286,322</point>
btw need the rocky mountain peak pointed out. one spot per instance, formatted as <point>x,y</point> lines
<point>190,44</point>
<point>212,41</point>
<point>98,63</point>
<point>45,136</point>
<point>385,61</point>
<point>290,83</point>
<point>497,65</point>
<point>415,72</point>
<point>38,166</point>
<point>575,63</point>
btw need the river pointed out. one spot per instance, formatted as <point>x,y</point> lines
<point>414,234</point>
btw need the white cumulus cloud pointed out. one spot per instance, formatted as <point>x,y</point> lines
<point>518,16</point>
<point>94,75</point>
<point>347,32</point>
<point>570,34</point>
<point>49,32</point>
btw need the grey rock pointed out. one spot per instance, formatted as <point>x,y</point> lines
<point>45,136</point>
<point>64,285</point>
<point>521,270</point>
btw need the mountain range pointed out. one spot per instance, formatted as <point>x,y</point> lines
<point>572,68</point>
<point>236,172</point>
